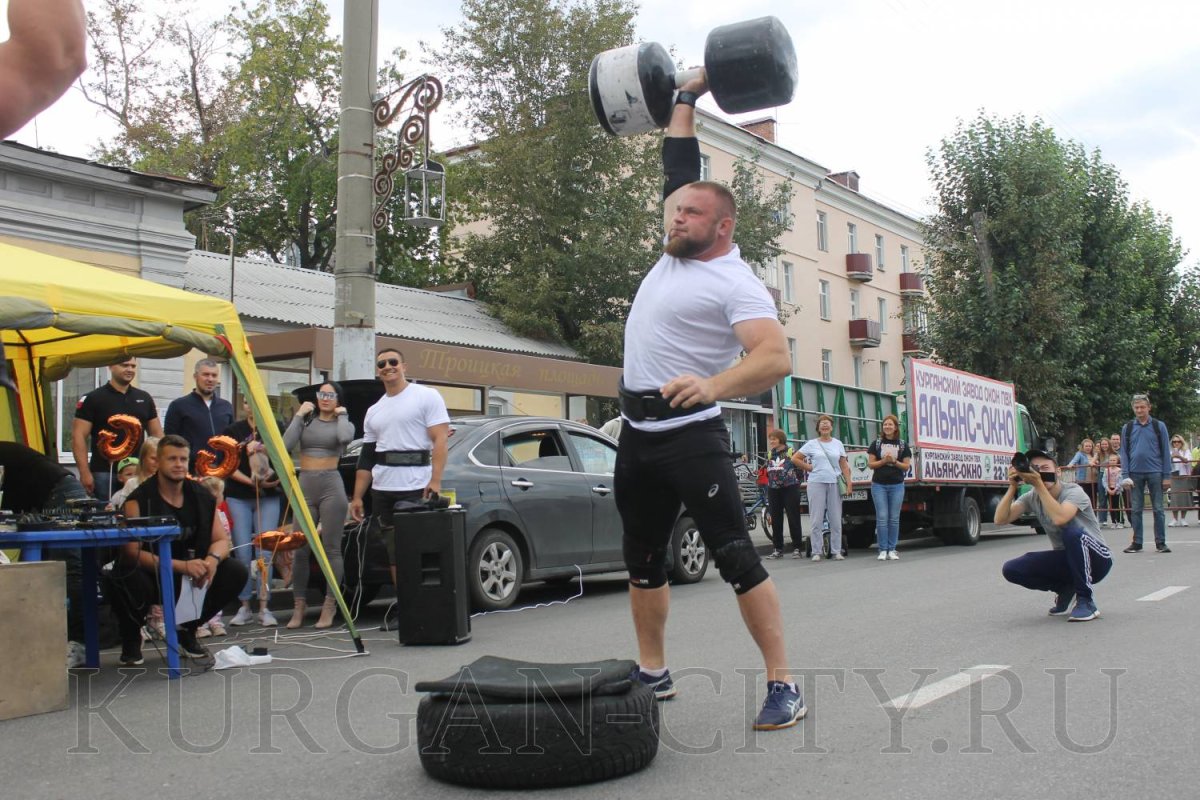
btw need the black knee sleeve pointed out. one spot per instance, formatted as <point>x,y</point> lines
<point>646,564</point>
<point>739,564</point>
<point>756,575</point>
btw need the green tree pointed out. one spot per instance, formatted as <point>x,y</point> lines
<point>1035,247</point>
<point>249,102</point>
<point>561,213</point>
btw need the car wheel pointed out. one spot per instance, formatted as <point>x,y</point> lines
<point>495,570</point>
<point>689,559</point>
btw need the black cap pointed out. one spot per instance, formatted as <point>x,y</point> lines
<point>1035,453</point>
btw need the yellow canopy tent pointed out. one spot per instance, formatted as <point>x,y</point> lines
<point>57,314</point>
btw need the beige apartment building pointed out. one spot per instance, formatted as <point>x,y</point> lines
<point>849,279</point>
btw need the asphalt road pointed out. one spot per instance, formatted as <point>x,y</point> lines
<point>1009,702</point>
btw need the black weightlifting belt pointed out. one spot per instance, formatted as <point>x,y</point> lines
<point>650,405</point>
<point>403,458</point>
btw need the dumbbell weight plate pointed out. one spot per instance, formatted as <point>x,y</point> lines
<point>632,88</point>
<point>751,65</point>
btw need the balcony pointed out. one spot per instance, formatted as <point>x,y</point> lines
<point>777,296</point>
<point>864,333</point>
<point>912,284</point>
<point>911,343</point>
<point>858,267</point>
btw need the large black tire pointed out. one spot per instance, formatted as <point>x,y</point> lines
<point>967,533</point>
<point>689,556</point>
<point>559,742</point>
<point>495,570</point>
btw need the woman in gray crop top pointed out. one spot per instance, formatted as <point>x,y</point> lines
<point>321,433</point>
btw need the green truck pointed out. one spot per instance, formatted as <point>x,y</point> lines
<point>963,430</point>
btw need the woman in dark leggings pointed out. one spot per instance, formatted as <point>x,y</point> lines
<point>783,494</point>
<point>322,432</point>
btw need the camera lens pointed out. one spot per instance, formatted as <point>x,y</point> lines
<point>1020,462</point>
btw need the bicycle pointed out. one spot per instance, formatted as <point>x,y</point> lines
<point>754,493</point>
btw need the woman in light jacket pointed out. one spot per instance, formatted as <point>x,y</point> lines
<point>824,459</point>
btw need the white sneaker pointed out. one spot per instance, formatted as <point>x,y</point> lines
<point>883,555</point>
<point>838,557</point>
<point>243,617</point>
<point>1172,523</point>
<point>76,655</point>
<point>267,619</point>
<point>816,557</point>
<point>893,555</point>
<point>1183,523</point>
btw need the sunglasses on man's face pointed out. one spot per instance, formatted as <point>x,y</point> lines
<point>387,362</point>
<point>327,395</point>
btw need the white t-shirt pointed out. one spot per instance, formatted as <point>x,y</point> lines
<point>402,422</point>
<point>823,470</point>
<point>681,322</point>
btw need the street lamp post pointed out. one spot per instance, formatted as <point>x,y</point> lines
<point>354,254</point>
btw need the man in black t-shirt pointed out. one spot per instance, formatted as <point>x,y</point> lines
<point>201,553</point>
<point>118,396</point>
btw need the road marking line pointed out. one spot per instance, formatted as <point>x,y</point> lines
<point>946,686</point>
<point>1162,594</point>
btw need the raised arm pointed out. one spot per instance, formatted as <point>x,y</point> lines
<point>45,53</point>
<point>681,151</point>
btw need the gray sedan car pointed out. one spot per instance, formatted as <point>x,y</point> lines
<point>538,495</point>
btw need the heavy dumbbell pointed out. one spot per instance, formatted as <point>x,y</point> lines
<point>750,65</point>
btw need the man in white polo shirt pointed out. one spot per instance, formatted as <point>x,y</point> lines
<point>404,449</point>
<point>699,307</point>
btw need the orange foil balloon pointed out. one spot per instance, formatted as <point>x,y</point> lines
<point>280,541</point>
<point>222,462</point>
<point>121,428</point>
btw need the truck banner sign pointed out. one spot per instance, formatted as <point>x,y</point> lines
<point>964,466</point>
<point>956,409</point>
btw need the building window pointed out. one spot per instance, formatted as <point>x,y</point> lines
<point>885,379</point>
<point>878,251</point>
<point>822,232</point>
<point>858,370</point>
<point>883,315</point>
<point>792,354</point>
<point>826,305</point>
<point>904,258</point>
<point>65,395</point>
<point>854,305</point>
<point>827,365</point>
<point>705,168</point>
<point>789,293</point>
<point>851,237</point>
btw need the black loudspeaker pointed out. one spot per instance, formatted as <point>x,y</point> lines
<point>432,576</point>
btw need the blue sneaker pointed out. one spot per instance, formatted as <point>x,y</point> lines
<point>1062,602</point>
<point>662,685</point>
<point>1084,610</point>
<point>783,708</point>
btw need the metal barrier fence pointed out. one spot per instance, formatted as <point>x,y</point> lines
<point>1113,508</point>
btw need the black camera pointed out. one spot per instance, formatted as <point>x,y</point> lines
<point>1020,462</point>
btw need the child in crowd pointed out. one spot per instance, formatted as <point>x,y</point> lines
<point>1114,491</point>
<point>216,625</point>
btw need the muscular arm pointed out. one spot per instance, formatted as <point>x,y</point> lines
<point>766,362</point>
<point>681,158</point>
<point>46,51</point>
<point>80,430</point>
<point>440,434</point>
<point>154,426</point>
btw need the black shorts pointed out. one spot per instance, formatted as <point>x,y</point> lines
<point>656,473</point>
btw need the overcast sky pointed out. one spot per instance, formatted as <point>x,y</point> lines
<point>882,81</point>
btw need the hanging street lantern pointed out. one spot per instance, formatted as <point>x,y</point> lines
<point>424,192</point>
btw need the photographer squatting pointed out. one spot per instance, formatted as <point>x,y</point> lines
<point>1079,557</point>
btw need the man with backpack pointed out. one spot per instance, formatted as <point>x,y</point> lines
<point>1146,465</point>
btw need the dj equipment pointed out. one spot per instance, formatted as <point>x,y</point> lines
<point>431,575</point>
